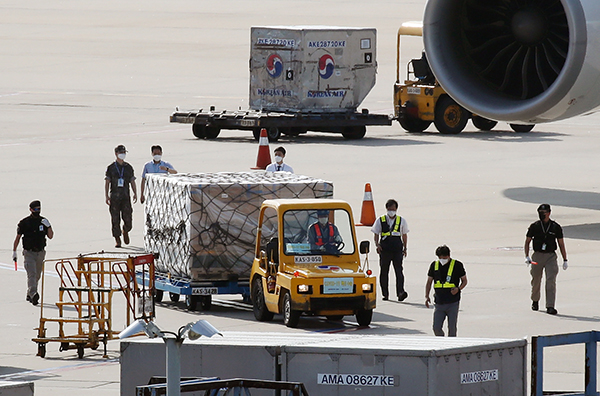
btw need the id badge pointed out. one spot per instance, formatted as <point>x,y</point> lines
<point>544,246</point>
<point>121,182</point>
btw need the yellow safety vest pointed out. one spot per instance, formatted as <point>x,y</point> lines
<point>447,284</point>
<point>396,226</point>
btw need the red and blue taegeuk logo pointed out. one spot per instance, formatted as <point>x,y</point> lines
<point>274,65</point>
<point>326,66</point>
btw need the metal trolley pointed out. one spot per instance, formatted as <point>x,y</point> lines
<point>88,284</point>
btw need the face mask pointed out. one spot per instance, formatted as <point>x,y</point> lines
<point>444,261</point>
<point>121,156</point>
<point>278,158</point>
<point>391,213</point>
<point>157,157</point>
<point>542,216</point>
<point>323,220</point>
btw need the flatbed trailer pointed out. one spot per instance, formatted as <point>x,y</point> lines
<point>208,124</point>
<point>196,293</point>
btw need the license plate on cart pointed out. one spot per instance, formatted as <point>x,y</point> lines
<point>204,291</point>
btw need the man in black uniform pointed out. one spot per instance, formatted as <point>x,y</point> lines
<point>391,249</point>
<point>119,176</point>
<point>545,234</point>
<point>450,278</point>
<point>34,229</point>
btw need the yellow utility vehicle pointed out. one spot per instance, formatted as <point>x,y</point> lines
<point>307,261</point>
<point>420,100</point>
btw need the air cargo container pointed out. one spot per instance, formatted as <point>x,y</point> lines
<point>301,78</point>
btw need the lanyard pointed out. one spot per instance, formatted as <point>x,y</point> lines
<point>548,229</point>
<point>121,171</point>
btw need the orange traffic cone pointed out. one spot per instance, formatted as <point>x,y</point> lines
<point>367,213</point>
<point>264,155</point>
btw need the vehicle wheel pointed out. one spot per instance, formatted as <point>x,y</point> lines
<point>206,303</point>
<point>199,130</point>
<point>80,351</point>
<point>273,134</point>
<point>410,124</point>
<point>483,124</point>
<point>261,313</point>
<point>521,128</point>
<point>450,117</point>
<point>174,297</point>
<point>41,350</point>
<point>353,133</point>
<point>335,318</point>
<point>158,295</point>
<point>290,317</point>
<point>191,302</point>
<point>212,132</point>
<point>364,316</point>
<point>256,133</point>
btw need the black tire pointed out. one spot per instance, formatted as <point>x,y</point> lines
<point>212,132</point>
<point>290,317</point>
<point>174,297</point>
<point>199,130</point>
<point>364,316</point>
<point>354,133</point>
<point>273,134</point>
<point>334,318</point>
<point>261,313</point>
<point>206,302</point>
<point>158,296</point>
<point>41,350</point>
<point>80,351</point>
<point>521,128</point>
<point>450,118</point>
<point>191,302</point>
<point>483,124</point>
<point>410,124</point>
<point>256,134</point>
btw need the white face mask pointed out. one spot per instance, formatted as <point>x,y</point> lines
<point>121,156</point>
<point>323,220</point>
<point>278,159</point>
<point>392,213</point>
<point>157,157</point>
<point>444,261</point>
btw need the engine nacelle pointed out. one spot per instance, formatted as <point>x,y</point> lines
<point>522,61</point>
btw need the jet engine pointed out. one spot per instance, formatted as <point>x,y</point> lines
<point>522,61</point>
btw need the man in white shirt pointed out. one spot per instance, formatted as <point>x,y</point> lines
<point>157,165</point>
<point>391,248</point>
<point>278,165</point>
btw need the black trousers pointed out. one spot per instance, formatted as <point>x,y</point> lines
<point>121,209</point>
<point>386,258</point>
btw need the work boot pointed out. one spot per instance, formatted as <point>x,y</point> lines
<point>551,311</point>
<point>118,242</point>
<point>535,306</point>
<point>385,298</point>
<point>35,299</point>
<point>28,298</point>
<point>126,237</point>
<point>403,296</point>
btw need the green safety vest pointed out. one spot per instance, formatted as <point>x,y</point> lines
<point>447,284</point>
<point>396,226</point>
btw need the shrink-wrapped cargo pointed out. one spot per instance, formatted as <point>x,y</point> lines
<point>203,226</point>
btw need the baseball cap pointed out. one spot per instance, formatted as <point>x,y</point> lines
<point>322,213</point>
<point>35,204</point>
<point>544,206</point>
<point>120,149</point>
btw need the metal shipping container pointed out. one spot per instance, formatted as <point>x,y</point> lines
<point>343,364</point>
<point>311,68</point>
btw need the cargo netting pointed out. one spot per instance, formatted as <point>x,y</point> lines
<point>203,226</point>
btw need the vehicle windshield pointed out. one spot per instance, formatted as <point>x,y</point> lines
<point>317,232</point>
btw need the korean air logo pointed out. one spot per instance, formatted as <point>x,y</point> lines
<point>326,66</point>
<point>274,66</point>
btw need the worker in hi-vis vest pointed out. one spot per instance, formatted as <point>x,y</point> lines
<point>391,239</point>
<point>448,278</point>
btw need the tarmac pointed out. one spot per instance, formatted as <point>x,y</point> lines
<point>79,78</point>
